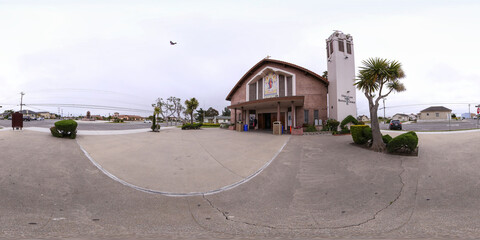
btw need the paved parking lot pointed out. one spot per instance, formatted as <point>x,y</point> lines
<point>437,126</point>
<point>84,125</point>
<point>319,186</point>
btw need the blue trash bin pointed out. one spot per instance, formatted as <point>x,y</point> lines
<point>282,130</point>
<point>245,127</point>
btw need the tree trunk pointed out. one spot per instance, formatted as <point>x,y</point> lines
<point>191,117</point>
<point>377,142</point>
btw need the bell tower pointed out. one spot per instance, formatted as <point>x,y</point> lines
<point>341,76</point>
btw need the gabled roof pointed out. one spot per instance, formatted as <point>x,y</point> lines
<point>401,114</point>
<point>436,109</point>
<point>264,61</point>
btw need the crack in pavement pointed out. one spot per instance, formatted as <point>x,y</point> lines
<point>230,219</point>
<point>225,214</point>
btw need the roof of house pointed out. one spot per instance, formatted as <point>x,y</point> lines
<point>268,60</point>
<point>436,109</point>
<point>401,114</point>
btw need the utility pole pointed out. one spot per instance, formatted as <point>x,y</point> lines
<point>21,101</point>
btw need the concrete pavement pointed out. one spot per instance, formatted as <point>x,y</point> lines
<point>177,162</point>
<point>317,187</point>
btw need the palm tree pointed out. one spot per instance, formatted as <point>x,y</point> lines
<point>376,76</point>
<point>156,111</point>
<point>191,105</point>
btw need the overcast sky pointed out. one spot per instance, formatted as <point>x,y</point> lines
<point>117,53</point>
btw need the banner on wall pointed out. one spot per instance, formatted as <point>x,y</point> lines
<point>270,86</point>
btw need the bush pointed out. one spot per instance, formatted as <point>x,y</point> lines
<point>55,132</point>
<point>332,125</point>
<point>344,130</point>
<point>358,134</point>
<point>224,125</point>
<point>386,138</point>
<point>211,125</point>
<point>406,142</point>
<point>310,128</point>
<point>188,126</point>
<point>367,133</point>
<point>347,120</point>
<point>65,128</point>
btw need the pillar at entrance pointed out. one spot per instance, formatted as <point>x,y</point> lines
<point>278,111</point>
<point>294,116</point>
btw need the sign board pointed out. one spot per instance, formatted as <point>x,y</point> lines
<point>478,110</point>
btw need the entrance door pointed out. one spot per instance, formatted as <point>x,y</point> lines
<point>268,120</point>
<point>261,121</point>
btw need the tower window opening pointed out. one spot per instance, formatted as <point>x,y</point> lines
<point>341,46</point>
<point>349,48</point>
<point>331,47</point>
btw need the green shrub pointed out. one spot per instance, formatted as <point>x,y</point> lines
<point>211,125</point>
<point>406,142</point>
<point>347,120</point>
<point>386,138</point>
<point>367,133</point>
<point>345,130</point>
<point>188,126</point>
<point>55,132</point>
<point>332,125</point>
<point>358,134</point>
<point>310,128</point>
<point>65,128</point>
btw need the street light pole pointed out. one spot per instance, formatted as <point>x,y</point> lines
<point>21,101</point>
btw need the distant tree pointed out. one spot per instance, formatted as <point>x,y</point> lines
<point>191,105</point>
<point>325,74</point>
<point>211,112</point>
<point>199,115</point>
<point>375,76</point>
<point>454,116</point>
<point>7,113</point>
<point>226,112</point>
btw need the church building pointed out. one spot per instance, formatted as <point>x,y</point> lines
<point>274,90</point>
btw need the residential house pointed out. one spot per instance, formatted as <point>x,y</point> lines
<point>217,119</point>
<point>435,113</point>
<point>363,118</point>
<point>400,116</point>
<point>412,117</point>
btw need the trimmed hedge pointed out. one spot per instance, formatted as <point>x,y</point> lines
<point>65,128</point>
<point>360,133</point>
<point>347,120</point>
<point>188,126</point>
<point>406,142</point>
<point>386,138</point>
<point>211,125</point>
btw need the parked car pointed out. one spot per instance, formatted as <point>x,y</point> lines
<point>395,125</point>
<point>147,121</point>
<point>26,118</point>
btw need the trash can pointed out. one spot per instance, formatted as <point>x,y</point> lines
<point>245,127</point>
<point>239,126</point>
<point>277,128</point>
<point>17,120</point>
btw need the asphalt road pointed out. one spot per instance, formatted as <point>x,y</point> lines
<point>437,126</point>
<point>319,186</point>
<point>94,125</point>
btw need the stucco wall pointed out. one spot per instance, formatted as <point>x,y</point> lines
<point>432,116</point>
